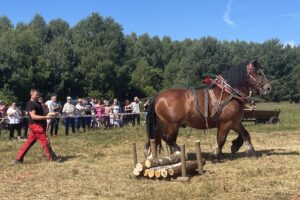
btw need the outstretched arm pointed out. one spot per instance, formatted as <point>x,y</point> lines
<point>34,116</point>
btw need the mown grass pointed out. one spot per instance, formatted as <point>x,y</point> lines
<point>98,164</point>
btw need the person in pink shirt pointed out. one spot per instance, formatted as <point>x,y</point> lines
<point>100,112</point>
<point>2,107</point>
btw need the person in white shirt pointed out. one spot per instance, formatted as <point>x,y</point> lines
<point>69,111</point>
<point>47,104</point>
<point>54,107</point>
<point>14,120</point>
<point>80,108</point>
<point>135,105</point>
<point>115,110</point>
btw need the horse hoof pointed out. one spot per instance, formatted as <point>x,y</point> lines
<point>234,149</point>
<point>215,158</point>
<point>252,154</point>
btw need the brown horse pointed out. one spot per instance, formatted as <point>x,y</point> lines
<point>175,108</point>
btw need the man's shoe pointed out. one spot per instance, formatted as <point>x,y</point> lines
<point>18,161</point>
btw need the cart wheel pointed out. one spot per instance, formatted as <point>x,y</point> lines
<point>274,120</point>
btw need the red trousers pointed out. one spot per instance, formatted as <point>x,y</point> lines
<point>37,132</point>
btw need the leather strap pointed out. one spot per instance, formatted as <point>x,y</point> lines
<point>196,101</point>
<point>213,98</point>
<point>205,103</point>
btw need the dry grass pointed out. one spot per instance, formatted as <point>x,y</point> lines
<point>98,164</point>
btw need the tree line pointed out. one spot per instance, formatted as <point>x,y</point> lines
<point>95,58</point>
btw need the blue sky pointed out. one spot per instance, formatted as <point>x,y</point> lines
<point>250,20</point>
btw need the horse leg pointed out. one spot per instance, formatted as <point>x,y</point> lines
<point>147,151</point>
<point>240,129</point>
<point>170,137</point>
<point>174,148</point>
<point>223,131</point>
<point>237,143</point>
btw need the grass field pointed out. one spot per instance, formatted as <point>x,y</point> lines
<point>98,164</point>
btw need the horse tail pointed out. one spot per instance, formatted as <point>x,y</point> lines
<point>151,122</point>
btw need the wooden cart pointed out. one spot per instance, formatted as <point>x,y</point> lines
<point>261,116</point>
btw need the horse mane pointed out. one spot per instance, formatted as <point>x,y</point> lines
<point>236,75</point>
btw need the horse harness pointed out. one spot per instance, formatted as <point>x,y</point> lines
<point>217,104</point>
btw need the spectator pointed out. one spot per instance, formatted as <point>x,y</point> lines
<point>88,112</point>
<point>44,105</point>
<point>80,108</point>
<point>54,107</point>
<point>94,118</point>
<point>100,112</point>
<point>2,114</point>
<point>2,119</point>
<point>107,110</point>
<point>93,102</point>
<point>14,121</point>
<point>25,123</point>
<point>46,108</point>
<point>115,111</point>
<point>128,111</point>
<point>69,111</point>
<point>2,108</point>
<point>146,106</point>
<point>135,105</point>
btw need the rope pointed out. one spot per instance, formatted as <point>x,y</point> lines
<point>63,116</point>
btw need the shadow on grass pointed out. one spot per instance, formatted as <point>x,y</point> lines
<point>239,155</point>
<point>66,158</point>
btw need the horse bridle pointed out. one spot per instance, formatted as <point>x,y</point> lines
<point>259,84</point>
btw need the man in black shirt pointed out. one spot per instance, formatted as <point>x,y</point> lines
<point>37,125</point>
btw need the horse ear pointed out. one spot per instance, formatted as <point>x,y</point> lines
<point>254,62</point>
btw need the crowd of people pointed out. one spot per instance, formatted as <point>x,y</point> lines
<point>77,115</point>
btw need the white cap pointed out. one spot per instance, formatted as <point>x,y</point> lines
<point>69,97</point>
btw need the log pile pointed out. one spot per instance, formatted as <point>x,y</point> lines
<point>171,166</point>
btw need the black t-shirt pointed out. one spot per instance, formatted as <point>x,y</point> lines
<point>37,106</point>
<point>88,106</point>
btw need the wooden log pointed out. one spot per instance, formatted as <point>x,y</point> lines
<point>153,148</point>
<point>157,173</point>
<point>134,154</point>
<point>136,172</point>
<point>199,157</point>
<point>183,163</point>
<point>146,172</point>
<point>140,166</point>
<point>151,173</point>
<point>191,166</point>
<point>172,159</point>
<point>164,173</point>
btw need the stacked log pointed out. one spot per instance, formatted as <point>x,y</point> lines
<point>164,167</point>
<point>169,166</point>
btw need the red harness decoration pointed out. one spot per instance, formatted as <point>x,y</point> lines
<point>207,80</point>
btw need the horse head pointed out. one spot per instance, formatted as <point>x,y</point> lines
<point>258,82</point>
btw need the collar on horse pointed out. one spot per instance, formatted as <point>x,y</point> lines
<point>221,83</point>
<point>218,105</point>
